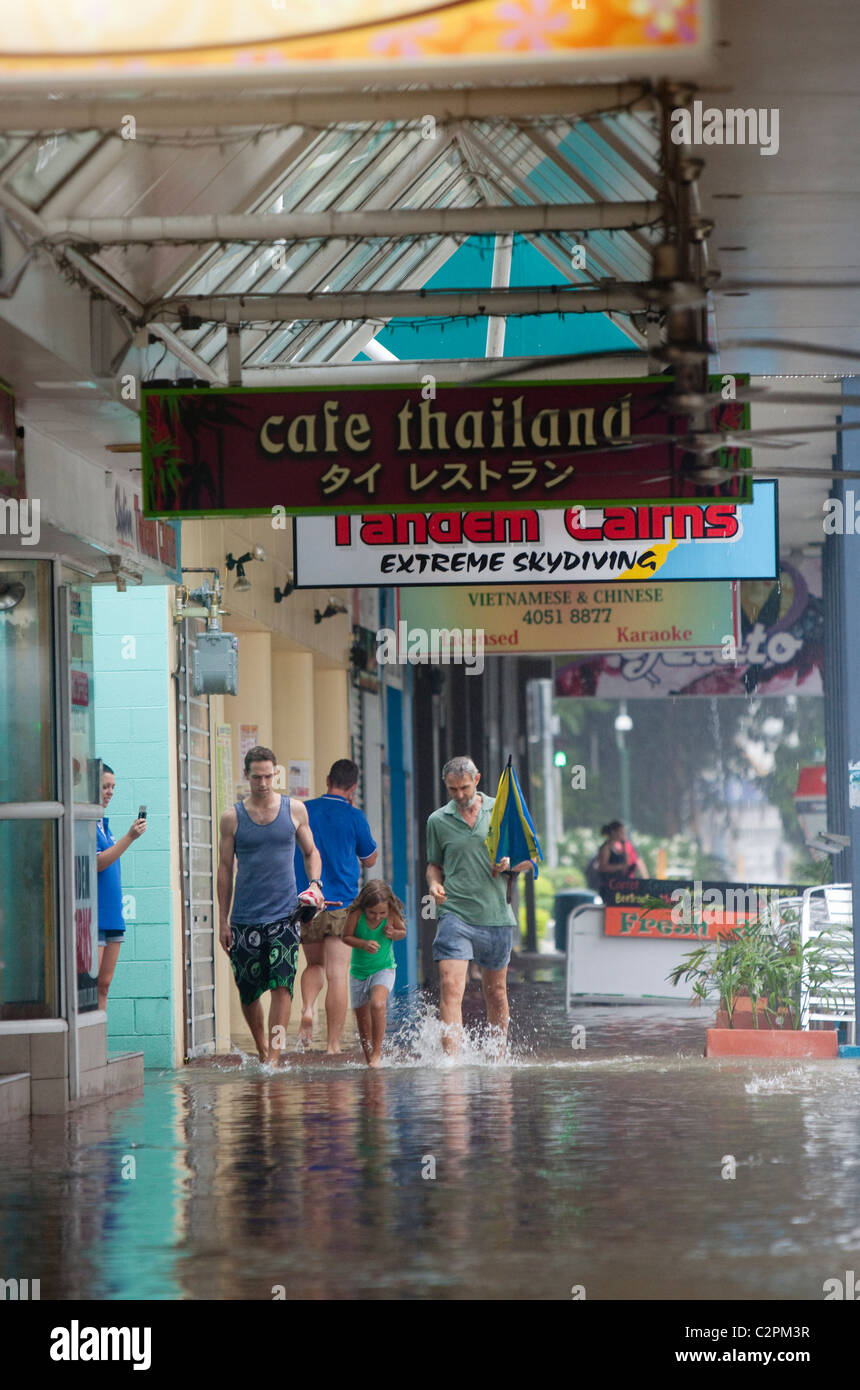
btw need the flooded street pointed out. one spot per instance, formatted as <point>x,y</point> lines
<point>597,1166</point>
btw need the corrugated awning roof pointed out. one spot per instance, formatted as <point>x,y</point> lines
<point>370,167</point>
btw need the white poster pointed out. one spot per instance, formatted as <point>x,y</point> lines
<point>299,778</point>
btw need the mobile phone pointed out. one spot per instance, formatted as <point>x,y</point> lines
<point>141,815</point>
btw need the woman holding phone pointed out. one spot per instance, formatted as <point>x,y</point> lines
<point>111,921</point>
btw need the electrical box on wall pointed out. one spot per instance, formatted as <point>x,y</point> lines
<point>216,664</point>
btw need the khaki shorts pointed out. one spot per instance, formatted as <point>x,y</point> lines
<point>331,923</point>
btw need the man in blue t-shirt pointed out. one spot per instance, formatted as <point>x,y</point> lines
<point>342,836</point>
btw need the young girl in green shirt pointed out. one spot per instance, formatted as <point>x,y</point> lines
<point>374,923</point>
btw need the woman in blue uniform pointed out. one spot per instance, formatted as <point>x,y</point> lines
<point>111,923</point>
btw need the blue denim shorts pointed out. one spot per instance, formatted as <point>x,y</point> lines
<point>359,989</point>
<point>106,936</point>
<point>488,947</point>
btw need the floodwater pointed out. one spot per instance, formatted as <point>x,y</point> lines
<point>598,1165</point>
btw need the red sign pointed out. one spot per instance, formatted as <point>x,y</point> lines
<point>346,449</point>
<point>154,540</point>
<point>80,688</point>
<point>689,910</point>
<point>637,921</point>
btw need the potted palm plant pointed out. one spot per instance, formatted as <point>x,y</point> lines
<point>763,975</point>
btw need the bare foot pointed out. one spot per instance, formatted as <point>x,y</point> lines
<point>333,1051</point>
<point>375,1059</point>
<point>306,1028</point>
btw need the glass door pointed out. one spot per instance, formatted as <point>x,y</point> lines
<point>29,806</point>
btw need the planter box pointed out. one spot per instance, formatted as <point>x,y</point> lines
<point>742,1017</point>
<point>771,1042</point>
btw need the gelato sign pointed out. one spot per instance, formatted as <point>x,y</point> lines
<point>780,650</point>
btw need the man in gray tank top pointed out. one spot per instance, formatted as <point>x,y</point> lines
<point>261,834</point>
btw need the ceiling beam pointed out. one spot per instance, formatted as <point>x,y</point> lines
<point>414,304</point>
<point>369,223</point>
<point>323,109</point>
<point>609,364</point>
<point>183,353</point>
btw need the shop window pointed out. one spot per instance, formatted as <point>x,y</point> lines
<point>86,786</point>
<point>28,843</point>
<point>27,769</point>
<point>28,919</point>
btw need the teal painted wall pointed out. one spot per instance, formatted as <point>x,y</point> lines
<point>133,712</point>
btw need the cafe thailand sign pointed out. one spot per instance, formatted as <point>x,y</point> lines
<point>495,445</point>
<point>349,39</point>
<point>687,541</point>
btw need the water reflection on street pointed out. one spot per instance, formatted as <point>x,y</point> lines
<point>598,1165</point>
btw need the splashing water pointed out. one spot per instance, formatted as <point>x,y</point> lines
<point>249,1062</point>
<point>782,1081</point>
<point>418,1042</point>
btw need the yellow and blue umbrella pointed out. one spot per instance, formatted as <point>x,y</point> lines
<point>512,831</point>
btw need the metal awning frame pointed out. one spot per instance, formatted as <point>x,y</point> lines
<point>367,250</point>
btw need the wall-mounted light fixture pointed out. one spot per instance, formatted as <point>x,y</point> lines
<point>11,593</point>
<point>329,611</point>
<point>242,581</point>
<point>288,589</point>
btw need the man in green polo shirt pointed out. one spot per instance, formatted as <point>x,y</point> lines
<point>475,922</point>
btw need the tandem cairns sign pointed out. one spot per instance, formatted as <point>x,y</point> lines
<point>488,446</point>
<point>687,541</point>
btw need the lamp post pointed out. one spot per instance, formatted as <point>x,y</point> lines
<point>623,725</point>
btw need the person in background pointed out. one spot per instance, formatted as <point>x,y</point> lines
<point>373,923</point>
<point>111,921</point>
<point>344,840</point>
<point>618,856</point>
